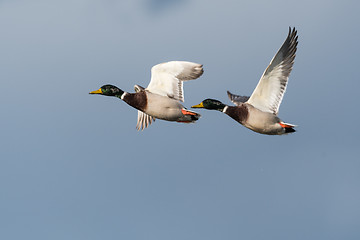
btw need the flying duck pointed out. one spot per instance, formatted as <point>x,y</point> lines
<point>161,99</point>
<point>259,111</point>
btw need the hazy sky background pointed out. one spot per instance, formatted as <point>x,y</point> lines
<point>73,166</point>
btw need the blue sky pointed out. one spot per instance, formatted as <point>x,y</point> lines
<point>73,165</point>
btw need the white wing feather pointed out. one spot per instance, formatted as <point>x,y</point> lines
<point>167,78</point>
<point>144,120</point>
<point>270,90</point>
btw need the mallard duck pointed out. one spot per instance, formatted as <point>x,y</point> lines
<point>259,111</point>
<point>161,99</point>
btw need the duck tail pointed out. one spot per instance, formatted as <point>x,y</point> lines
<point>289,128</point>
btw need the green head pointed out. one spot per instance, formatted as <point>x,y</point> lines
<point>109,90</point>
<point>211,104</point>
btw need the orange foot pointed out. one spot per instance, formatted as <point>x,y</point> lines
<point>285,125</point>
<point>186,112</point>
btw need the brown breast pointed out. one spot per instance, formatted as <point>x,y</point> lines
<point>238,113</point>
<point>137,100</point>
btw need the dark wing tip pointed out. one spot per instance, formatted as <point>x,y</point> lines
<point>237,99</point>
<point>290,45</point>
<point>229,94</point>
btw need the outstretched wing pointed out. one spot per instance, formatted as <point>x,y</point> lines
<point>167,78</point>
<point>237,99</point>
<point>270,90</point>
<point>144,120</point>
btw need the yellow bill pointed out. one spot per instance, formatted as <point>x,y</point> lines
<point>96,92</point>
<point>200,105</point>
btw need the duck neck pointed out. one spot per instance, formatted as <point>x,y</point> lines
<point>120,94</point>
<point>221,107</point>
<point>224,109</point>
